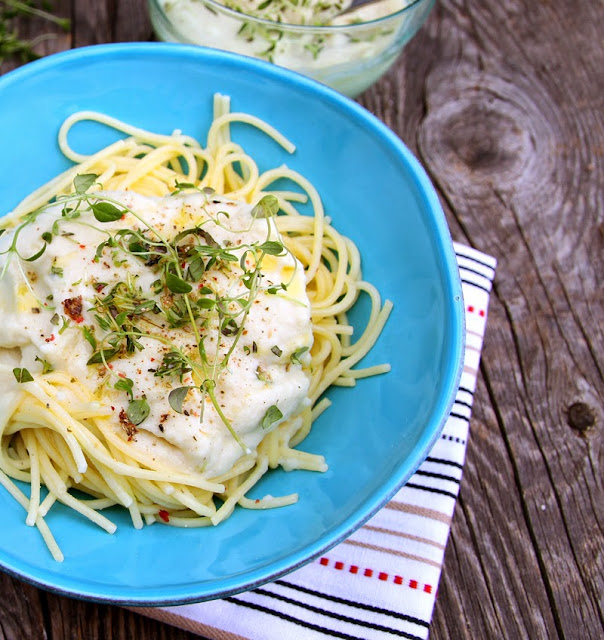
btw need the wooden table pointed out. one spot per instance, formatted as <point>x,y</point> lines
<point>503,104</point>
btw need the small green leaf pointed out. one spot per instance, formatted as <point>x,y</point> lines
<point>47,237</point>
<point>276,351</point>
<point>100,357</point>
<point>89,337</point>
<point>271,248</point>
<point>69,213</point>
<point>266,207</point>
<point>273,414</point>
<point>196,269</point>
<point>297,354</point>
<point>206,303</point>
<point>22,375</point>
<point>83,182</point>
<point>106,212</point>
<point>138,410</point>
<point>56,271</point>
<point>176,284</point>
<point>125,384</point>
<point>139,249</point>
<point>177,396</point>
<point>120,318</point>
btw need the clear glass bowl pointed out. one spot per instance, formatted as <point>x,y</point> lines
<point>347,57</point>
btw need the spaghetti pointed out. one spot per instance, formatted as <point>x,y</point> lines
<point>58,433</point>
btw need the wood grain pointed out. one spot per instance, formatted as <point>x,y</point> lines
<point>502,103</point>
<point>515,152</point>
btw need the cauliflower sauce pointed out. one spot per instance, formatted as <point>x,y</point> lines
<point>57,312</point>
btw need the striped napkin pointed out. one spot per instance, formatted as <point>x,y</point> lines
<point>382,581</point>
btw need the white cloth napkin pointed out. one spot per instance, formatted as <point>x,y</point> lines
<point>382,581</point>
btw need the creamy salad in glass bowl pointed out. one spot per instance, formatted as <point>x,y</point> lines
<point>345,48</point>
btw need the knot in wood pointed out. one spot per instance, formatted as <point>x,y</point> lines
<point>485,141</point>
<point>580,416</point>
<point>484,131</point>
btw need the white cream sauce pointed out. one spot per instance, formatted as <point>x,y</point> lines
<point>260,373</point>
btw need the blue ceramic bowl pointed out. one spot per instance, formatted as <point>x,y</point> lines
<point>374,436</point>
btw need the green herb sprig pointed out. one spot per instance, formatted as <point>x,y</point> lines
<point>11,44</point>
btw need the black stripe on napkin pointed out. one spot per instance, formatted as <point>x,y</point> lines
<point>463,404</point>
<point>303,623</point>
<point>438,476</point>
<point>459,254</point>
<point>475,284</point>
<point>478,273</point>
<point>454,414</point>
<point>442,492</point>
<point>353,603</point>
<point>336,616</point>
<point>443,461</point>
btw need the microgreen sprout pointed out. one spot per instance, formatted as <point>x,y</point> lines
<point>46,366</point>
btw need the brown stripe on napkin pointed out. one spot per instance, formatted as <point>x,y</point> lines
<point>392,552</point>
<point>424,512</point>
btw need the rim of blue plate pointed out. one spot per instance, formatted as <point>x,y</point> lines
<point>227,586</point>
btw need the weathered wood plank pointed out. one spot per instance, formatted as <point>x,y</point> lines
<point>100,22</point>
<point>21,616</point>
<point>72,619</point>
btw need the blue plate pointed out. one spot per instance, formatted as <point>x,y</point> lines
<point>375,435</point>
